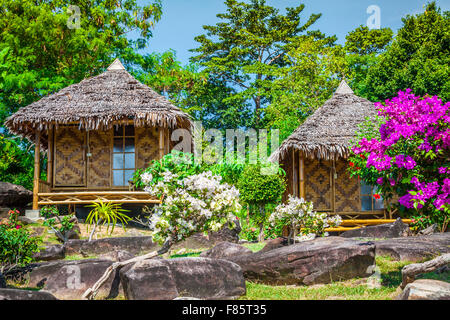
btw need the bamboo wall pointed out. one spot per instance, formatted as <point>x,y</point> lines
<point>74,169</point>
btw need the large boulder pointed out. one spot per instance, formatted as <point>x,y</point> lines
<point>426,289</point>
<point>201,278</point>
<point>201,241</point>
<point>395,229</point>
<point>134,245</point>
<point>117,255</point>
<point>50,253</point>
<point>225,250</point>
<point>321,260</point>
<point>14,196</point>
<point>414,248</point>
<point>275,244</point>
<point>17,294</point>
<point>68,280</point>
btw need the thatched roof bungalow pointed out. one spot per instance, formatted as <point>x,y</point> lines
<point>315,157</point>
<point>97,133</point>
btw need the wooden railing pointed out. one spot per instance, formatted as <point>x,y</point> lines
<point>44,186</point>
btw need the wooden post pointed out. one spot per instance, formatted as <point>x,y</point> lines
<point>294,175</point>
<point>161,142</point>
<point>50,157</point>
<point>301,164</point>
<point>37,151</point>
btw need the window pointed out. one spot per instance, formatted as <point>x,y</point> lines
<point>368,200</point>
<point>123,155</point>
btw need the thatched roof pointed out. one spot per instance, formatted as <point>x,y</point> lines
<point>98,103</point>
<point>327,133</point>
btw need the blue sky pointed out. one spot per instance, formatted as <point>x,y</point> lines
<point>182,20</point>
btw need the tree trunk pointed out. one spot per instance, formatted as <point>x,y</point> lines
<point>261,224</point>
<point>409,272</point>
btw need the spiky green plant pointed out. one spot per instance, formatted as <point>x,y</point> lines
<point>106,213</point>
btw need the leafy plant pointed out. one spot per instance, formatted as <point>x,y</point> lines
<point>52,215</point>
<point>17,247</point>
<point>258,189</point>
<point>106,213</point>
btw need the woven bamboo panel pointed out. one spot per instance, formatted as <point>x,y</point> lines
<point>99,166</point>
<point>287,166</point>
<point>147,146</point>
<point>347,189</point>
<point>318,183</point>
<point>70,164</point>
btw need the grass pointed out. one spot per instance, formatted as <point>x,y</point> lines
<point>255,247</point>
<point>355,289</point>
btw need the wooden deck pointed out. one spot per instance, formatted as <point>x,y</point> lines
<point>88,197</point>
<point>350,224</point>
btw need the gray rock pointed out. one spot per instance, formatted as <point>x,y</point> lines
<point>149,280</point>
<point>275,244</point>
<point>426,289</point>
<point>225,250</point>
<point>117,256</point>
<point>17,294</point>
<point>51,253</point>
<point>414,248</point>
<point>68,280</point>
<point>14,196</point>
<point>134,245</point>
<point>25,221</point>
<point>430,230</point>
<point>2,281</point>
<point>200,241</point>
<point>200,278</point>
<point>389,230</point>
<point>321,260</point>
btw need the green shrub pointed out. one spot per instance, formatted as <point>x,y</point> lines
<point>17,246</point>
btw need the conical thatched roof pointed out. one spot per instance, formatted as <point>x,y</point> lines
<point>326,134</point>
<point>98,103</point>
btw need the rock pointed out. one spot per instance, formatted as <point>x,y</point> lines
<point>225,250</point>
<point>430,230</point>
<point>149,280</point>
<point>426,289</point>
<point>2,281</point>
<point>414,248</point>
<point>17,294</point>
<point>117,256</point>
<point>68,280</point>
<point>70,235</point>
<point>321,260</point>
<point>389,230</point>
<point>55,252</point>
<point>25,221</point>
<point>134,245</point>
<point>14,196</point>
<point>200,241</point>
<point>275,244</point>
<point>200,278</point>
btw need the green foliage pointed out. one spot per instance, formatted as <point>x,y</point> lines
<point>418,58</point>
<point>107,213</point>
<point>61,226</point>
<point>260,189</point>
<point>247,46</point>
<point>364,41</point>
<point>17,246</point>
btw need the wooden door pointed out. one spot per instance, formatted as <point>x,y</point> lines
<point>70,158</point>
<point>318,184</point>
<point>99,159</point>
<point>147,146</point>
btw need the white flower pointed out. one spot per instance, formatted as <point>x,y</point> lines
<point>146,178</point>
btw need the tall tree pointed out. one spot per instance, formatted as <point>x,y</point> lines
<point>247,46</point>
<point>419,58</point>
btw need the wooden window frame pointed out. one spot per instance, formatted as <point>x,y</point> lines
<point>371,196</point>
<point>123,136</point>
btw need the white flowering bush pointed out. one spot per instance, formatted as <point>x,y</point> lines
<point>300,216</point>
<point>196,203</point>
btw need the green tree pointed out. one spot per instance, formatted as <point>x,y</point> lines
<point>418,58</point>
<point>258,190</point>
<point>313,71</point>
<point>247,46</point>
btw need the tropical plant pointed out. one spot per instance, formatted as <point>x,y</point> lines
<point>106,213</point>
<point>258,189</point>
<point>407,155</point>
<point>299,215</point>
<point>53,219</point>
<point>17,247</point>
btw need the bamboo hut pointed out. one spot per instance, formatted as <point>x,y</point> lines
<point>315,158</point>
<point>97,133</point>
